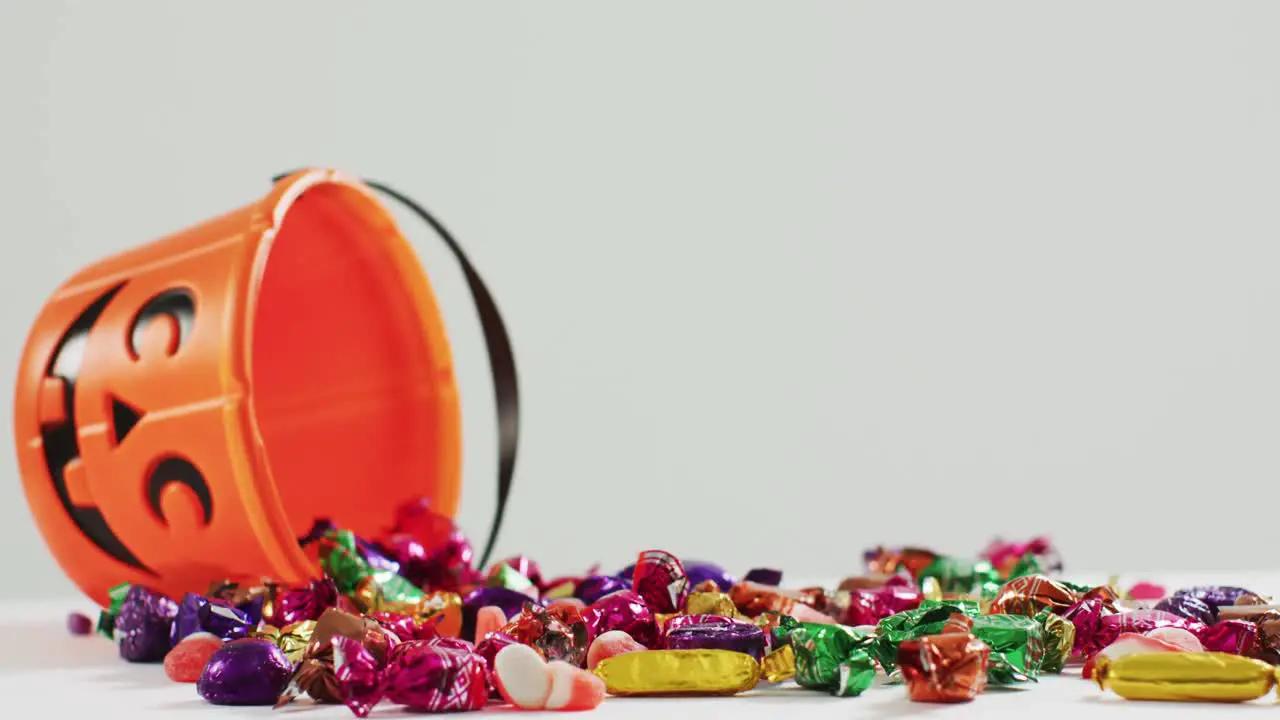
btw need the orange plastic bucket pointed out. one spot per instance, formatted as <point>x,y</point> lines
<point>187,409</point>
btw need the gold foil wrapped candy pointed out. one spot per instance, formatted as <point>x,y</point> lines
<point>292,638</point>
<point>779,665</point>
<point>1186,676</point>
<point>371,597</point>
<point>710,603</point>
<point>668,672</point>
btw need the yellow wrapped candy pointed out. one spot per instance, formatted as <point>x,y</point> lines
<point>292,638</point>
<point>779,665</point>
<point>710,603</point>
<point>1188,676</point>
<point>666,672</point>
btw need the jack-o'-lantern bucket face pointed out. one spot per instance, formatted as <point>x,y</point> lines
<point>185,410</point>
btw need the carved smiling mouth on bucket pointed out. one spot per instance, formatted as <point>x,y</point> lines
<point>60,433</point>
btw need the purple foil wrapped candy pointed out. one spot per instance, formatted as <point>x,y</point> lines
<point>700,572</point>
<point>245,672</point>
<point>197,613</point>
<point>764,576</point>
<point>423,675</point>
<point>594,587</point>
<point>144,625</point>
<point>680,621</point>
<point>1215,596</point>
<point>737,637</point>
<point>1189,607</point>
<point>509,601</point>
<point>1238,637</point>
<point>624,611</point>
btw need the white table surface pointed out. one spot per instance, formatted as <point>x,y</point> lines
<point>45,672</point>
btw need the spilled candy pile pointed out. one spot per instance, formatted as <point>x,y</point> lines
<point>408,619</point>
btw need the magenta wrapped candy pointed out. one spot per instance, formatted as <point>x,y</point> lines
<point>736,637</point>
<point>661,580</point>
<point>144,625</point>
<point>422,675</point>
<point>1238,637</point>
<point>625,611</point>
<point>1095,631</point>
<point>304,603</point>
<point>492,643</point>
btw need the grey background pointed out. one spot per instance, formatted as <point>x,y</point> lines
<point>784,279</point>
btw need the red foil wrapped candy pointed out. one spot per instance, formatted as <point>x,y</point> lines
<point>944,668</point>
<point>661,580</point>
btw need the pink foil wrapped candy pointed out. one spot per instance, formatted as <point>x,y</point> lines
<point>661,580</point>
<point>423,675</point>
<point>625,611</point>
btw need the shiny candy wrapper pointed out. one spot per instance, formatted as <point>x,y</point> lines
<point>737,637</point>
<point>1215,596</point>
<point>441,610</point>
<point>249,671</point>
<point>671,672</point>
<point>1237,637</point>
<point>423,675</point>
<point>448,566</point>
<point>489,647</point>
<point>944,668</point>
<point>752,600</point>
<point>594,587</point>
<point>1016,645</point>
<point>292,639</point>
<point>1195,677</point>
<point>895,629</point>
<point>1109,627</point>
<point>509,602</point>
<point>674,622</point>
<point>1029,594</point>
<point>526,567</point>
<point>1187,606</point>
<point>625,611</point>
<point>966,577</point>
<point>303,603</point>
<point>830,657</point>
<point>1060,636</point>
<point>888,561</point>
<point>779,665</point>
<point>256,601</point>
<point>107,618</point>
<point>314,673</point>
<point>661,581</point>
<point>409,627</point>
<point>710,603</point>
<point>505,576</point>
<point>1005,556</point>
<point>700,572</point>
<point>559,633</point>
<point>144,625</point>
<point>199,614</point>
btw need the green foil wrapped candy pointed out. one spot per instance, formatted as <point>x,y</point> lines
<point>908,625</point>
<point>1059,637</point>
<point>1017,647</point>
<point>965,577</point>
<point>830,657</point>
